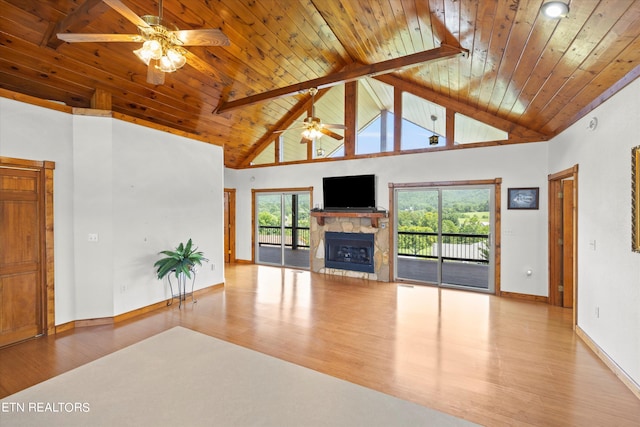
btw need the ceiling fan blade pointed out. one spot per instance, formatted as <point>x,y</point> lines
<point>290,128</point>
<point>331,134</point>
<point>203,37</point>
<point>305,140</point>
<point>154,75</point>
<point>129,14</point>
<point>96,38</point>
<point>334,126</point>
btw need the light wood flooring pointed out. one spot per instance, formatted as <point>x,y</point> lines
<point>494,361</point>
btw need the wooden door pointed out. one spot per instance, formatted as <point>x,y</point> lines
<point>567,243</point>
<point>229,225</point>
<point>21,289</point>
<point>227,255</point>
<point>563,229</point>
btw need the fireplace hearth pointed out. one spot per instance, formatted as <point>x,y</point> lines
<point>350,251</point>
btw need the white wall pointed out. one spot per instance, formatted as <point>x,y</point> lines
<point>35,133</point>
<point>524,233</point>
<point>166,190</point>
<point>608,272</point>
<point>140,190</point>
<point>92,212</point>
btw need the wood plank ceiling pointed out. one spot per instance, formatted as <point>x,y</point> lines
<point>523,72</point>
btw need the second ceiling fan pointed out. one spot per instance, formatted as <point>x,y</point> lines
<point>312,127</point>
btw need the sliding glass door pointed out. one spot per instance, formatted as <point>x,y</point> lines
<point>282,228</point>
<point>443,235</point>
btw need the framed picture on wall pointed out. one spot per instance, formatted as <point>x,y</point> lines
<point>523,198</point>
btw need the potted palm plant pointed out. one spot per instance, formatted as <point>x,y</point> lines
<point>180,262</point>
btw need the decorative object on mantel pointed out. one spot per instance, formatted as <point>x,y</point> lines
<point>162,49</point>
<point>523,198</point>
<point>182,262</point>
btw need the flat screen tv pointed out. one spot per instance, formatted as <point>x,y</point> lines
<point>349,192</point>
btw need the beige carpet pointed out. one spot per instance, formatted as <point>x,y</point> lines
<point>185,378</point>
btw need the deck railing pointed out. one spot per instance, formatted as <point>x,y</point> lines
<point>455,246</point>
<point>295,237</point>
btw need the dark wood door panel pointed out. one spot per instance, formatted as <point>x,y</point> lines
<point>19,234</point>
<point>18,181</point>
<point>21,286</point>
<point>19,307</point>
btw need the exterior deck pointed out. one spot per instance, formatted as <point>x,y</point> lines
<point>408,268</point>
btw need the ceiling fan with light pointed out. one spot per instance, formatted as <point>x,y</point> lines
<point>312,127</point>
<point>162,44</point>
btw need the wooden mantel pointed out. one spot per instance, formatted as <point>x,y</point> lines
<point>374,216</point>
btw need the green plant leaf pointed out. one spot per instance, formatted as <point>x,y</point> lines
<point>187,249</point>
<point>179,261</point>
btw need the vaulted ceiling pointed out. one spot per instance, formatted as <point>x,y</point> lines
<point>526,74</point>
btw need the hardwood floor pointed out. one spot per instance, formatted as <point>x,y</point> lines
<point>490,360</point>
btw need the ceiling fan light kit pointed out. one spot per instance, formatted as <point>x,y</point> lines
<point>313,128</point>
<point>160,44</point>
<point>151,49</point>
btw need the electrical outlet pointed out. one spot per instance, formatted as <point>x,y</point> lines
<point>93,237</point>
<point>597,312</point>
<point>213,267</point>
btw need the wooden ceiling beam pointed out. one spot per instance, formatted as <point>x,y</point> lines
<point>352,74</point>
<point>101,100</point>
<point>76,21</point>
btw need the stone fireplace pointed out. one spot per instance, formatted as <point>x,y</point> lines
<point>356,235</point>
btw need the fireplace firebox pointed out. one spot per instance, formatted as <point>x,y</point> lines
<point>349,251</point>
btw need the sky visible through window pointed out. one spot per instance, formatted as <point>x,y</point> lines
<point>413,136</point>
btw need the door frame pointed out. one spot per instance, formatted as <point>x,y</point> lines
<point>45,169</point>
<point>254,221</point>
<point>497,183</point>
<point>555,233</point>
<point>230,224</point>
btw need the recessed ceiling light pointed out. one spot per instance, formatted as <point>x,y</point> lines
<point>555,9</point>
